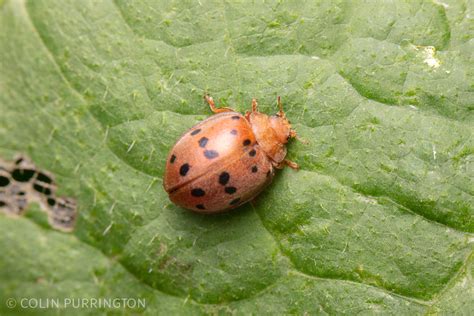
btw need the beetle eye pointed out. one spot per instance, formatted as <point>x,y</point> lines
<point>288,137</point>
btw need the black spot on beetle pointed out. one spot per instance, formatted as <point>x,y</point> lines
<point>252,153</point>
<point>200,206</point>
<point>235,201</point>
<point>224,178</point>
<point>211,154</point>
<point>42,189</point>
<point>23,175</point>
<point>254,169</point>
<point>2,204</point>
<point>172,159</point>
<point>196,131</point>
<point>236,117</point>
<point>44,178</point>
<point>51,201</point>
<point>230,190</point>
<point>198,192</point>
<point>203,142</point>
<point>4,181</point>
<point>233,132</point>
<point>184,169</point>
<point>247,142</point>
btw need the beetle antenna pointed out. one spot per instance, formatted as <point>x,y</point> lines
<point>280,112</point>
<point>254,105</point>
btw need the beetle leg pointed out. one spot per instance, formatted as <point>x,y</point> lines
<point>247,115</point>
<point>289,163</point>
<point>213,107</point>
<point>294,135</point>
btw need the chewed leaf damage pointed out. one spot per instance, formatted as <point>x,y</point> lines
<point>21,183</point>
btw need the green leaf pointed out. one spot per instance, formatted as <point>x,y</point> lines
<point>380,218</point>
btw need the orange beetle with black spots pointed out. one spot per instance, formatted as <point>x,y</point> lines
<point>227,159</point>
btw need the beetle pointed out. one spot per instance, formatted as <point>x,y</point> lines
<point>227,159</point>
